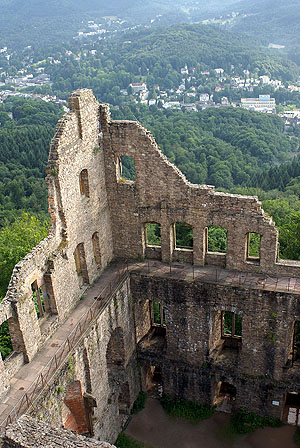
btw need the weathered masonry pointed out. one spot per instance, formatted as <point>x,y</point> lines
<point>227,344</point>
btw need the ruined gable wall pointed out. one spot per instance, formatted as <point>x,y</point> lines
<point>162,194</point>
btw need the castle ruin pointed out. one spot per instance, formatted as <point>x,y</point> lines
<point>150,309</point>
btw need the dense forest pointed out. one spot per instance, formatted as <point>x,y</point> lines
<point>24,142</point>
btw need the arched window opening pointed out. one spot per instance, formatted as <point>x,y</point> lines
<point>225,397</point>
<point>115,353</point>
<point>84,183</point>
<point>125,169</point>
<point>153,234</point>
<point>183,235</point>
<point>216,239</point>
<point>80,262</point>
<point>96,247</point>
<point>253,242</point>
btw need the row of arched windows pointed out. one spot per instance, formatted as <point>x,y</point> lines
<point>216,238</point>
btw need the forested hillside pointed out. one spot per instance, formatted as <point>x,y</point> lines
<point>271,20</point>
<point>24,143</point>
<point>24,23</point>
<point>156,57</point>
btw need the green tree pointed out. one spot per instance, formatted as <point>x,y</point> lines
<point>16,240</point>
<point>290,237</point>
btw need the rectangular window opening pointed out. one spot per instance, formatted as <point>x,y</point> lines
<point>296,342</point>
<point>158,314</point>
<point>126,169</point>
<point>153,235</point>
<point>231,325</point>
<point>216,239</point>
<point>183,236</point>
<point>253,246</point>
<point>84,183</point>
<point>38,299</point>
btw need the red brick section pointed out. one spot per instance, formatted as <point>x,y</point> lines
<point>77,420</point>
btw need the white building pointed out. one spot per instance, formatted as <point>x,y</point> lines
<point>138,87</point>
<point>184,70</point>
<point>265,79</point>
<point>262,104</point>
<point>172,105</point>
<point>219,71</point>
<point>204,97</point>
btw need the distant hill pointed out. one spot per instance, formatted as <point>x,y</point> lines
<point>27,22</point>
<point>273,21</point>
<point>192,44</point>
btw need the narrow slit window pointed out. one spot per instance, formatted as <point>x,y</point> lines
<point>153,235</point>
<point>158,314</point>
<point>253,246</point>
<point>80,262</point>
<point>84,183</point>
<point>216,239</point>
<point>296,342</point>
<point>38,299</point>
<point>5,340</point>
<point>183,236</point>
<point>231,324</point>
<point>126,169</point>
<point>96,247</point>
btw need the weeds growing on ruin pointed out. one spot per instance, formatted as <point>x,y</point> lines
<point>297,436</point>
<point>193,412</point>
<point>139,403</point>
<point>123,441</point>
<point>242,422</point>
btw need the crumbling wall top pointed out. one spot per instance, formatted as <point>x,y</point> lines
<point>30,433</point>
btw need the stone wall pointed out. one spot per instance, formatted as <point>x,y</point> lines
<point>195,356</point>
<point>77,220</point>
<point>92,366</point>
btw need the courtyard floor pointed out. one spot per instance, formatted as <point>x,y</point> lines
<point>155,428</point>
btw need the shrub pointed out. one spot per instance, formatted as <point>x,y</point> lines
<point>242,422</point>
<point>139,403</point>
<point>124,441</point>
<point>297,436</point>
<point>194,412</point>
